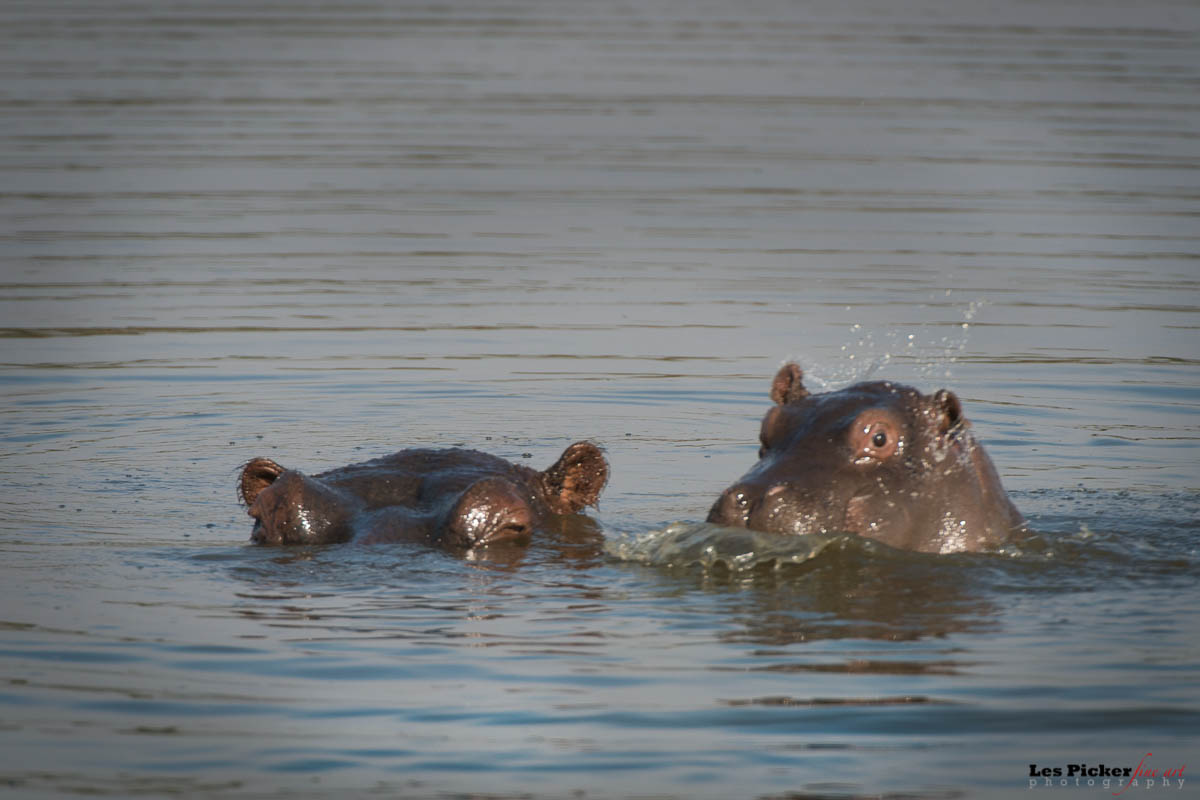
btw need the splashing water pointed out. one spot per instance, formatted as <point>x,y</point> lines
<point>684,544</point>
<point>924,354</point>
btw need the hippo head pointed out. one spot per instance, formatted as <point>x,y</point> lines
<point>458,498</point>
<point>876,459</point>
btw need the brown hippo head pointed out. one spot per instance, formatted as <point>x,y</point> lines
<point>457,498</point>
<point>876,459</point>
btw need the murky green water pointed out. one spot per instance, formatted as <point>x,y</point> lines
<point>322,233</point>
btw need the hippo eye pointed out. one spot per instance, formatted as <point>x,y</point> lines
<point>874,436</point>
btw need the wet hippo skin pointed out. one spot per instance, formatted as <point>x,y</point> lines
<point>456,498</point>
<point>876,459</point>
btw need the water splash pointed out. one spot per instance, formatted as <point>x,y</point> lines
<point>684,544</point>
<point>922,352</point>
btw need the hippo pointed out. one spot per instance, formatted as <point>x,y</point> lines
<point>459,499</point>
<point>877,459</point>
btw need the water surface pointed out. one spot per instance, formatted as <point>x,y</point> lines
<point>325,233</point>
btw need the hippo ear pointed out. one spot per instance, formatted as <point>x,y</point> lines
<point>788,386</point>
<point>256,476</point>
<point>948,411</point>
<point>576,479</point>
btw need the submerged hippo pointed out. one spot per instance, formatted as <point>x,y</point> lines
<point>456,498</point>
<point>879,460</point>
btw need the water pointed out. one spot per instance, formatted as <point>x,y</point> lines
<point>322,233</point>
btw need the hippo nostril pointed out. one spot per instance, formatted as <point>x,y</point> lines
<point>775,491</point>
<point>732,507</point>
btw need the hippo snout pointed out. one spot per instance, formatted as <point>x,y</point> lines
<point>783,507</point>
<point>732,507</point>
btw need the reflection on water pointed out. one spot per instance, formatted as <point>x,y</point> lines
<point>322,233</point>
